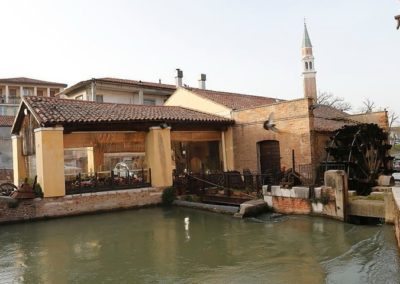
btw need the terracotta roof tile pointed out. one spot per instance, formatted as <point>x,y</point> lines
<point>234,100</point>
<point>6,120</point>
<point>24,80</point>
<point>327,118</point>
<point>52,111</point>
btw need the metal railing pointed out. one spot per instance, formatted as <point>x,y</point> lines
<point>199,183</point>
<point>107,181</point>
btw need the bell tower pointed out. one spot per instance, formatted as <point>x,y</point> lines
<point>309,81</point>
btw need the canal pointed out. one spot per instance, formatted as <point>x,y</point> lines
<point>180,245</point>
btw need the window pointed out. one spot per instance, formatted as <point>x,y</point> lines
<point>39,93</point>
<point>28,92</point>
<point>53,92</point>
<point>306,65</point>
<point>12,92</point>
<point>149,102</point>
<point>99,98</point>
<point>310,65</point>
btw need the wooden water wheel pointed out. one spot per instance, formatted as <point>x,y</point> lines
<point>363,152</point>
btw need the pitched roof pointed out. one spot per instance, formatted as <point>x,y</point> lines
<point>54,111</point>
<point>234,101</point>
<point>327,118</point>
<point>6,120</point>
<point>132,83</point>
<point>29,81</point>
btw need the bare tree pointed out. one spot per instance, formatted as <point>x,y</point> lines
<point>393,118</point>
<point>368,106</point>
<point>329,99</point>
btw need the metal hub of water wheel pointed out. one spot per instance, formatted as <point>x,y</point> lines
<point>363,152</point>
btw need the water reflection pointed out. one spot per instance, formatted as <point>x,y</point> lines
<point>184,246</point>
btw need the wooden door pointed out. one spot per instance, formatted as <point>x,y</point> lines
<point>269,156</point>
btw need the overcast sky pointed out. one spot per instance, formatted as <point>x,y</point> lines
<point>247,46</point>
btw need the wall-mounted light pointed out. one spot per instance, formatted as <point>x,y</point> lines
<point>25,111</point>
<point>163,125</point>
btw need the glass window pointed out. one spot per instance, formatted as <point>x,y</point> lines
<point>196,157</point>
<point>99,98</point>
<point>133,161</point>
<point>12,92</point>
<point>310,65</point>
<point>306,65</point>
<point>28,92</point>
<point>76,161</point>
<point>149,102</point>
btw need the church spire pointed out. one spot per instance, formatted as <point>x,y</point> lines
<point>306,37</point>
<point>309,73</point>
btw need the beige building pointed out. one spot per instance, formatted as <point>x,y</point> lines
<point>12,90</point>
<point>121,91</point>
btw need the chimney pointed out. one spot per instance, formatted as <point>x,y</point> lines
<point>178,78</point>
<point>202,81</point>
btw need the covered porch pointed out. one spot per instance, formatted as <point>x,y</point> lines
<point>78,146</point>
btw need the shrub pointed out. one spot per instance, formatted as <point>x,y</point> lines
<point>38,191</point>
<point>168,196</point>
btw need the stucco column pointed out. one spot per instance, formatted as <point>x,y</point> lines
<point>48,92</point>
<point>158,156</point>
<point>50,160</point>
<point>91,165</point>
<point>227,148</point>
<point>7,94</point>
<point>21,91</point>
<point>140,102</point>
<point>35,91</point>
<point>19,167</point>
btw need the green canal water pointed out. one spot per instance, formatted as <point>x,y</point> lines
<point>157,245</point>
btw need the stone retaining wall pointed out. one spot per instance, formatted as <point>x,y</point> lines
<point>396,197</point>
<point>78,204</point>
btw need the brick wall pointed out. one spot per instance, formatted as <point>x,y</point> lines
<point>288,205</point>
<point>78,204</point>
<point>293,123</point>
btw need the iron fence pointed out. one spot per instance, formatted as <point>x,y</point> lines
<point>246,181</point>
<point>199,183</point>
<point>106,181</point>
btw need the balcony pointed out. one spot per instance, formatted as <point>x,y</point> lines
<point>12,100</point>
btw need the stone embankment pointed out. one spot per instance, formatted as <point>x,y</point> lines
<point>77,204</point>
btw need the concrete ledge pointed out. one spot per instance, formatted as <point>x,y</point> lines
<point>295,192</point>
<point>367,208</point>
<point>252,208</point>
<point>208,207</point>
<point>396,196</point>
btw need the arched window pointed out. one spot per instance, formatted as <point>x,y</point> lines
<point>310,65</point>
<point>306,65</point>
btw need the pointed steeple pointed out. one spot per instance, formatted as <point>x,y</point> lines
<point>309,78</point>
<point>306,37</point>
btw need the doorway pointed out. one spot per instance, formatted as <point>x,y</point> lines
<point>269,157</point>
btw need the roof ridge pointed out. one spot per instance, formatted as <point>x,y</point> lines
<point>231,93</point>
<point>90,102</point>
<point>131,80</point>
